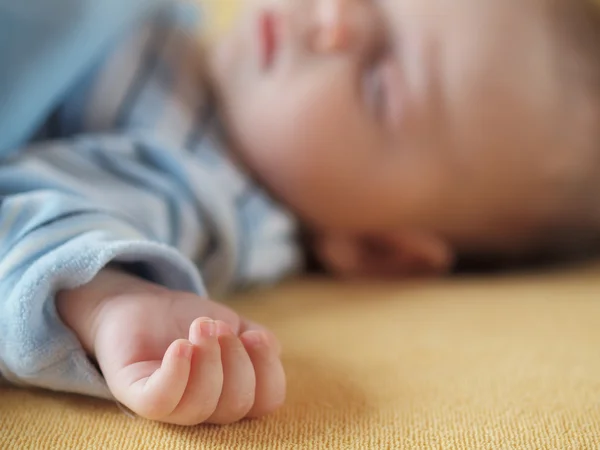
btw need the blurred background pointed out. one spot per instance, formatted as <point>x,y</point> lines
<point>221,12</point>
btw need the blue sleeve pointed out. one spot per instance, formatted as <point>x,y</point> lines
<point>108,187</point>
<point>67,210</point>
<point>134,173</point>
<point>45,45</point>
<point>97,193</point>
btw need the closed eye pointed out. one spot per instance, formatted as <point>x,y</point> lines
<point>375,89</point>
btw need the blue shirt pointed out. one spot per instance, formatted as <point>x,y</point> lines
<point>128,165</point>
<point>45,45</point>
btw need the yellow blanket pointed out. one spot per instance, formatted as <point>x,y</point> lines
<point>507,363</point>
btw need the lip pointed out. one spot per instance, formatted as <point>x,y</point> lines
<point>268,36</point>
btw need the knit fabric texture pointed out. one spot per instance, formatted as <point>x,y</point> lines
<point>466,363</point>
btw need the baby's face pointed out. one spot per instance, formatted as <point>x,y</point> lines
<point>379,115</point>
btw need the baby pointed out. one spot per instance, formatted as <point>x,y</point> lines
<point>384,138</point>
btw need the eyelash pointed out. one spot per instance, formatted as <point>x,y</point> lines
<point>379,51</point>
<point>374,87</point>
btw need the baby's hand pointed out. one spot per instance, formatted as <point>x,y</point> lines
<point>172,356</point>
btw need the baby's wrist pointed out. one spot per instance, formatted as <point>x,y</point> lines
<point>80,308</point>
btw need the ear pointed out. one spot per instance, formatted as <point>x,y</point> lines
<point>389,255</point>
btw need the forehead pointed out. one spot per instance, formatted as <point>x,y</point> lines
<point>465,8</point>
<point>471,45</point>
<point>465,17</point>
<point>469,37</point>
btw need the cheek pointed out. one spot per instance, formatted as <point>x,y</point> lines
<point>297,121</point>
<point>304,153</point>
<point>282,137</point>
<point>309,143</point>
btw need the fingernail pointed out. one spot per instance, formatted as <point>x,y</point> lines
<point>222,328</point>
<point>185,351</point>
<point>255,338</point>
<point>207,328</point>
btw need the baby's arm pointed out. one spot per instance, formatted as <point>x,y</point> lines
<point>173,356</point>
<point>68,210</point>
<point>147,205</point>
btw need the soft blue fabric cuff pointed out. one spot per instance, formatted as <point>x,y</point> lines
<point>37,348</point>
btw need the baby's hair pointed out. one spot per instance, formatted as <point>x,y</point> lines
<point>577,23</point>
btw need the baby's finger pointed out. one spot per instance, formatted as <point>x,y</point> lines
<point>263,349</point>
<point>206,376</point>
<point>237,396</point>
<point>156,396</point>
<point>249,325</point>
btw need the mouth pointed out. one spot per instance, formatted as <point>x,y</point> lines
<point>268,37</point>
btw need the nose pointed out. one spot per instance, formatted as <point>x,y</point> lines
<point>341,25</point>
